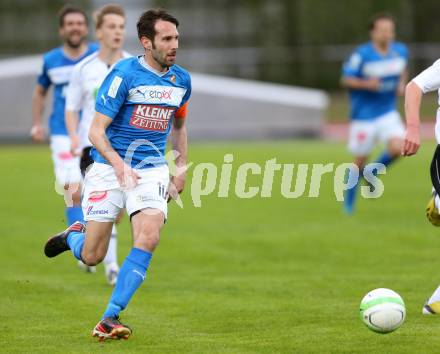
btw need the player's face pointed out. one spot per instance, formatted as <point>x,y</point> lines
<point>165,44</point>
<point>383,32</point>
<point>111,34</point>
<point>74,30</point>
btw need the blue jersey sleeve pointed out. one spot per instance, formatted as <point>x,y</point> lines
<point>43,78</point>
<point>112,94</point>
<point>188,91</point>
<point>352,66</point>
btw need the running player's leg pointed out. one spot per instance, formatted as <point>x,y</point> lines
<point>111,259</point>
<point>68,177</point>
<point>432,306</point>
<point>101,207</point>
<point>147,206</point>
<point>85,162</point>
<point>361,141</point>
<point>433,207</point>
<point>146,227</point>
<point>391,132</point>
<point>89,246</point>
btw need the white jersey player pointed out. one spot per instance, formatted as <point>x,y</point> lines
<point>57,67</point>
<point>426,81</point>
<point>86,78</point>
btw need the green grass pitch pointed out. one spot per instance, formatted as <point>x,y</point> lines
<point>260,275</point>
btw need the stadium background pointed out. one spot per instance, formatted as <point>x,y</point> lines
<point>246,276</point>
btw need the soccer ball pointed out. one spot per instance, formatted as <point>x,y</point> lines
<point>382,310</point>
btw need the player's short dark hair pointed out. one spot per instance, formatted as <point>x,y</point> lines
<point>69,9</point>
<point>110,9</point>
<point>148,19</point>
<point>380,16</point>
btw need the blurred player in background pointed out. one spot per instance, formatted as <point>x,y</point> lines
<point>374,75</point>
<point>139,104</point>
<point>86,78</point>
<point>427,81</point>
<point>57,67</point>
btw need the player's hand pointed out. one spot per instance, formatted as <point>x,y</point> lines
<point>74,145</point>
<point>127,177</point>
<point>38,133</point>
<point>411,143</point>
<point>177,183</point>
<point>372,84</point>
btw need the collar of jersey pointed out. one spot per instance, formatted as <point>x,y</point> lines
<point>144,64</point>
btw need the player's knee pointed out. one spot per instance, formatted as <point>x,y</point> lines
<point>148,238</point>
<point>91,258</point>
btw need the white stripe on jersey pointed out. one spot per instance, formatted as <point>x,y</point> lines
<point>60,75</point>
<point>168,95</point>
<point>384,68</point>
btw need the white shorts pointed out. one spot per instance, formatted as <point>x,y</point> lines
<point>364,134</point>
<point>103,198</point>
<point>66,165</point>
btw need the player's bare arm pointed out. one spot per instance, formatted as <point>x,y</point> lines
<point>72,120</point>
<point>179,143</point>
<point>38,132</point>
<point>413,99</point>
<point>125,174</point>
<point>354,83</point>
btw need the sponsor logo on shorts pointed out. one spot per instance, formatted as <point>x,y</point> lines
<point>65,155</point>
<point>142,198</point>
<point>361,136</point>
<point>90,211</point>
<point>155,118</point>
<point>97,196</point>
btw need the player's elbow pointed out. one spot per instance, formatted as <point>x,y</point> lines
<point>39,92</point>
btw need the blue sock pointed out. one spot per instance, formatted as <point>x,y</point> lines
<point>75,240</point>
<point>74,214</point>
<point>131,275</point>
<point>350,194</point>
<point>385,158</point>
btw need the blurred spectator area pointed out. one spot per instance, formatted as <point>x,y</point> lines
<point>296,42</point>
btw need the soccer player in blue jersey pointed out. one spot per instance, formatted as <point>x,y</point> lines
<point>374,75</point>
<point>57,66</point>
<point>85,80</point>
<point>141,102</point>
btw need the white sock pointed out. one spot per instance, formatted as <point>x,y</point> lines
<point>435,297</point>
<point>111,257</point>
<point>437,202</point>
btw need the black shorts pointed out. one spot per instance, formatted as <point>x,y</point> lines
<point>435,170</point>
<point>86,160</point>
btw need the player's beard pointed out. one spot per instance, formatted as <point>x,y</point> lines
<point>75,44</point>
<point>161,60</point>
